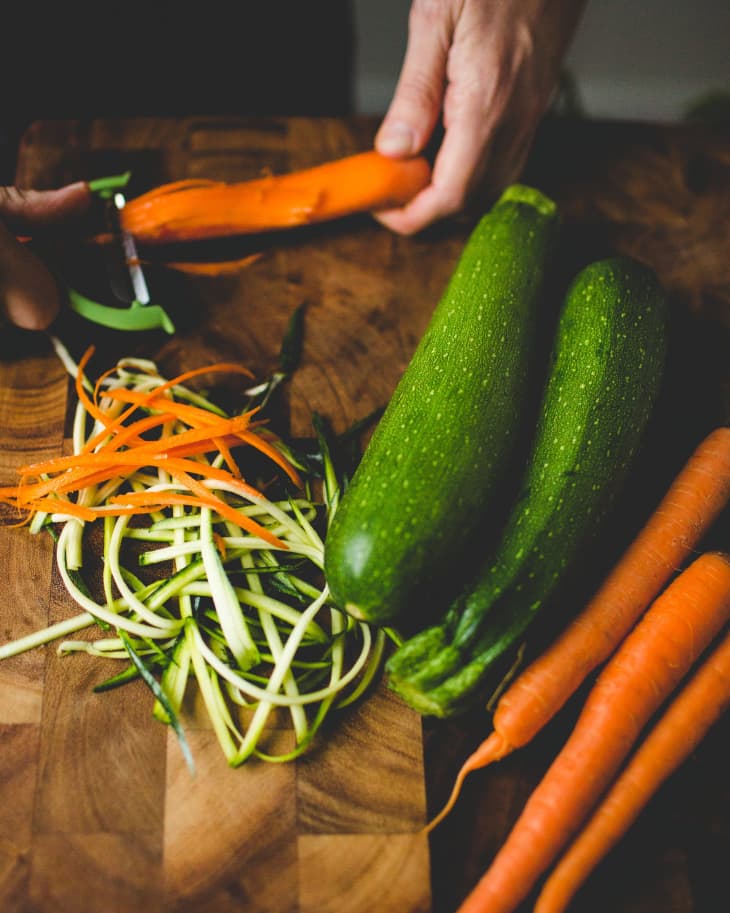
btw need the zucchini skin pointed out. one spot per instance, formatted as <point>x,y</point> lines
<point>604,378</point>
<point>443,443</point>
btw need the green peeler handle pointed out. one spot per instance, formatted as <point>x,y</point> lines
<point>134,317</point>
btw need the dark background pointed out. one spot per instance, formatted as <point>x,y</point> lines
<point>84,59</point>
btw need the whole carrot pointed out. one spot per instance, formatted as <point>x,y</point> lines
<point>193,210</point>
<point>650,663</point>
<point>675,736</point>
<point>694,500</point>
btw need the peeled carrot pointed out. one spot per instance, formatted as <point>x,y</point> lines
<point>675,736</point>
<point>188,211</point>
<point>650,663</point>
<point>695,499</point>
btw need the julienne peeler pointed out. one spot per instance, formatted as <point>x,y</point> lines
<point>124,268</point>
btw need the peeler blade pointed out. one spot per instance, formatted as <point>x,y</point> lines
<point>126,276</point>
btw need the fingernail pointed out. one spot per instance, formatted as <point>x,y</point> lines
<point>75,187</point>
<point>396,138</point>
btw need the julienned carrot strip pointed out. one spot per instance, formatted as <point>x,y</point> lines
<point>192,415</point>
<point>650,663</point>
<point>121,465</point>
<point>270,451</point>
<point>130,435</point>
<point>213,267</point>
<point>110,425</point>
<point>197,488</point>
<point>63,506</point>
<point>88,402</point>
<point>674,737</point>
<point>229,440</point>
<point>156,500</point>
<point>364,182</point>
<point>144,449</point>
<point>695,499</point>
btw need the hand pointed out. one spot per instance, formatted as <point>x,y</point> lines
<point>488,68</point>
<point>29,296</point>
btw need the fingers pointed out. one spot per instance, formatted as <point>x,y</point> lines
<point>29,295</point>
<point>416,105</point>
<point>472,61</point>
<point>27,211</point>
<point>458,168</point>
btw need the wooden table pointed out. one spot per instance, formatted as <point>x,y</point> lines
<point>98,813</point>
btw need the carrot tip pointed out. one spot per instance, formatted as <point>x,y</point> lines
<point>493,748</point>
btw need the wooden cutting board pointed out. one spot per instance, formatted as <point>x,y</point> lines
<point>97,809</point>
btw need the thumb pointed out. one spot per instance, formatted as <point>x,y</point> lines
<point>418,98</point>
<point>29,294</point>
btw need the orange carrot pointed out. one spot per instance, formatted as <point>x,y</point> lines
<point>650,663</point>
<point>363,182</point>
<point>695,499</point>
<point>674,737</point>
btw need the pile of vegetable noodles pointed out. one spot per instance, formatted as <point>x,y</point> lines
<point>205,578</point>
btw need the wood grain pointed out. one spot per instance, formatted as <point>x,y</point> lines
<point>98,811</point>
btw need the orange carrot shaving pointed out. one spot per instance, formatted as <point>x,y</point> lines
<point>157,500</point>
<point>143,449</point>
<point>675,736</point>
<point>129,436</point>
<point>193,415</point>
<point>650,663</point>
<point>260,444</point>
<point>220,544</point>
<point>213,267</point>
<point>695,499</point>
<point>110,425</point>
<point>224,509</point>
<point>63,506</point>
<point>186,412</point>
<point>364,182</point>
<point>108,466</point>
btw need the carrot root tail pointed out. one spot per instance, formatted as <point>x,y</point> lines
<point>492,749</point>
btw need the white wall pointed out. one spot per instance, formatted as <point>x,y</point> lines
<point>645,59</point>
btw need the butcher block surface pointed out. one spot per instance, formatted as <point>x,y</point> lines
<point>98,811</point>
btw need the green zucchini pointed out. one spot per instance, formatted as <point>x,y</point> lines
<point>444,440</point>
<point>604,377</point>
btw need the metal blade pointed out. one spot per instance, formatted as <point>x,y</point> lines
<point>131,257</point>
